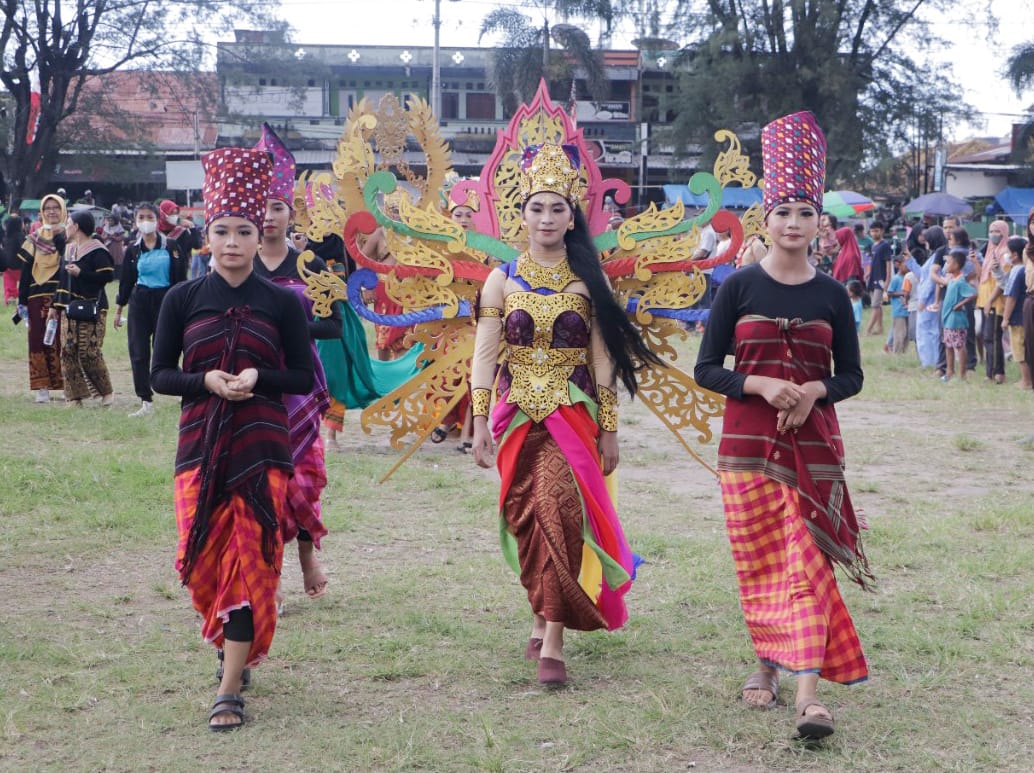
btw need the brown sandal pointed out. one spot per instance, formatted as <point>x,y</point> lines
<point>763,680</point>
<point>534,649</point>
<point>552,672</point>
<point>812,727</point>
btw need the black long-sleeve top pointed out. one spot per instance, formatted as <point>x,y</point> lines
<point>96,269</point>
<point>322,327</point>
<point>752,291</point>
<point>179,263</point>
<point>211,296</point>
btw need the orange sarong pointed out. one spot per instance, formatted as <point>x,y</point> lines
<point>791,602</point>
<point>230,572</point>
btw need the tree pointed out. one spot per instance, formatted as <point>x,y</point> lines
<point>854,63</point>
<point>526,55</point>
<point>54,48</point>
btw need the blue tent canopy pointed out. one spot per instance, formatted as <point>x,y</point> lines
<point>1015,202</point>
<point>732,198</point>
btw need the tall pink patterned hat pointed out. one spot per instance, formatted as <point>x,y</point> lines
<point>793,153</point>
<point>284,168</point>
<point>236,184</point>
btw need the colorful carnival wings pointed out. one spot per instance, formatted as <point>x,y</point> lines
<point>439,267</point>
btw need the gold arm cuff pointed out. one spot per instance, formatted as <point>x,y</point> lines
<point>489,311</point>
<point>480,400</point>
<point>607,414</point>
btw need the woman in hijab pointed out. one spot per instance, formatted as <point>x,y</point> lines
<point>40,260</point>
<point>928,324</point>
<point>848,262</point>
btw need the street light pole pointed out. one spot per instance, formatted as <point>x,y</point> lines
<point>436,65</point>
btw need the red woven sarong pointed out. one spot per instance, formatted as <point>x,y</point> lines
<point>302,510</point>
<point>791,602</point>
<point>230,572</point>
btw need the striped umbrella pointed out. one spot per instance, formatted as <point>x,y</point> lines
<point>846,204</point>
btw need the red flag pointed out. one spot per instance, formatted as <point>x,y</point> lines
<point>34,109</point>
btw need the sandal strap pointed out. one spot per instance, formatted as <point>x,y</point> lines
<point>763,680</point>
<point>806,704</point>
<point>227,704</point>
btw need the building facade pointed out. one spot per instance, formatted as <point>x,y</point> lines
<point>306,93</point>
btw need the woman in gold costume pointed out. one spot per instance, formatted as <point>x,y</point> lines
<point>565,344</point>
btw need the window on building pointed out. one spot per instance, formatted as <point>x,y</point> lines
<point>312,81</point>
<point>450,105</point>
<point>262,81</point>
<point>480,107</point>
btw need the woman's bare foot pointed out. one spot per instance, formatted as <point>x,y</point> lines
<point>279,598</point>
<point>761,689</point>
<point>313,578</point>
<point>332,441</point>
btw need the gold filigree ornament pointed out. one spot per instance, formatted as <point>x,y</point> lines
<point>753,221</point>
<point>316,209</point>
<point>374,139</point>
<point>672,290</point>
<point>732,165</point>
<point>419,405</point>
<point>653,221</point>
<point>323,287</point>
<point>681,404</point>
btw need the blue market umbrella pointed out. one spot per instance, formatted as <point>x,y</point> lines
<point>938,204</point>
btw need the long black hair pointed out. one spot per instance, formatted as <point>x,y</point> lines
<point>624,344</point>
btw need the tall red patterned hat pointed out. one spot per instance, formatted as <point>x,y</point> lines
<point>793,153</point>
<point>236,184</point>
<point>284,168</point>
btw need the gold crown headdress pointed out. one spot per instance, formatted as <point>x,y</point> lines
<point>553,168</point>
<point>472,201</point>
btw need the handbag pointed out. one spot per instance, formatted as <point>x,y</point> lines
<point>83,309</point>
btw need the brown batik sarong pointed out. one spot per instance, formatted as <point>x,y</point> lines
<point>82,358</point>
<point>44,361</point>
<point>543,510</point>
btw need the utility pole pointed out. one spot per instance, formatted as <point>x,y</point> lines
<point>436,64</point>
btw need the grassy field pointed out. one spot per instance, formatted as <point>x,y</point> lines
<point>413,659</point>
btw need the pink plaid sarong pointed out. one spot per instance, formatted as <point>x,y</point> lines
<point>791,603</point>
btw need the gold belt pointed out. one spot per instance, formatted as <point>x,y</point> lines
<point>541,357</point>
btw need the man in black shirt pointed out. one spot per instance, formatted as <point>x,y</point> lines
<point>878,273</point>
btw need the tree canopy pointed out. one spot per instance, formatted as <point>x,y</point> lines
<point>526,56</point>
<point>856,64</point>
<point>62,44</point>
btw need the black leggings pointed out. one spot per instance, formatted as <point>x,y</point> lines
<point>240,626</point>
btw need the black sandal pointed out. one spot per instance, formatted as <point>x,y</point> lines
<point>439,435</point>
<point>226,704</point>
<point>464,447</point>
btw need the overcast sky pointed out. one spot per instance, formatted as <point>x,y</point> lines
<point>977,63</point>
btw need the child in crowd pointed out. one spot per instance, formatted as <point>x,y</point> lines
<point>953,314</point>
<point>913,260</point>
<point>1012,317</point>
<point>898,306</point>
<point>855,290</point>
